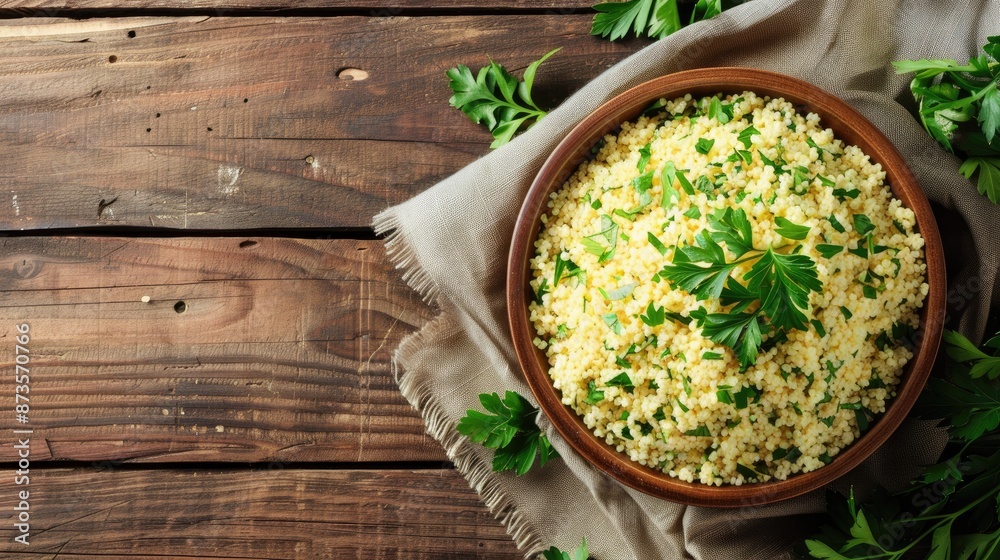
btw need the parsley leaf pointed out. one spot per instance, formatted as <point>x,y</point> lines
<point>581,553</point>
<point>619,293</point>
<point>704,145</point>
<point>594,395</point>
<point>722,112</point>
<point>700,431</point>
<point>739,331</point>
<point>828,251</point>
<point>653,317</point>
<point>789,230</point>
<point>952,99</point>
<point>656,243</point>
<point>784,282</point>
<point>510,430</point>
<point>497,99</point>
<point>746,134</point>
<point>863,224</point>
<point>621,380</point>
<point>644,154</point>
<point>961,349</point>
<point>649,18</point>
<point>988,181</point>
<point>611,320</point>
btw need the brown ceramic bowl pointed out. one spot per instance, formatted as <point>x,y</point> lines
<point>849,126</point>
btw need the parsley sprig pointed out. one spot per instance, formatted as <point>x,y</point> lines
<point>496,98</point>
<point>581,553</point>
<point>959,106</point>
<point>510,430</point>
<point>774,298</point>
<point>651,18</point>
<point>951,510</point>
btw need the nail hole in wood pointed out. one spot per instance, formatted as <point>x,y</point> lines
<point>104,204</point>
<point>112,59</point>
<point>352,74</point>
<point>210,129</point>
<point>246,100</point>
<point>157,115</point>
<point>247,243</point>
<point>180,307</point>
<point>149,130</point>
<point>131,34</point>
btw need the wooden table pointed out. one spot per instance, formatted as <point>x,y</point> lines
<point>187,195</point>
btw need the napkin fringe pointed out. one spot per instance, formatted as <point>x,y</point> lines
<point>402,255</point>
<point>459,449</point>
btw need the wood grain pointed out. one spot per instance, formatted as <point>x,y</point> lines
<point>300,514</point>
<point>280,351</point>
<point>224,123</point>
<point>377,8</point>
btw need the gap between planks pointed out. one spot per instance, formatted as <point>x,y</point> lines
<point>210,350</point>
<point>281,513</point>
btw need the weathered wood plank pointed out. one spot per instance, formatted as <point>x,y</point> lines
<point>252,122</point>
<point>247,350</point>
<point>412,515</point>
<point>223,7</point>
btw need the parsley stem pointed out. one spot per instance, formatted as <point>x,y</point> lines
<point>948,519</point>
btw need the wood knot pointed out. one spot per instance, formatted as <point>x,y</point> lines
<point>352,74</point>
<point>27,269</point>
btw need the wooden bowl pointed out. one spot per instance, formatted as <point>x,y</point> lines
<point>849,126</point>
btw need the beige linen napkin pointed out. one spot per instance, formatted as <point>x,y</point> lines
<point>452,241</point>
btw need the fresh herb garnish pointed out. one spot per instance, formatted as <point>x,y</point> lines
<point>863,224</point>
<point>844,194</point>
<point>779,282</point>
<point>543,288</point>
<point>790,230</point>
<point>619,293</point>
<point>745,136</point>
<point>510,431</point>
<point>594,395</point>
<point>611,320</point>
<point>828,250</point>
<point>644,154</point>
<point>656,243</point>
<point>959,106</point>
<point>497,99</point>
<point>962,350</point>
<point>650,18</point>
<point>836,224</point>
<point>581,553</point>
<point>704,145</point>
<point>621,380</point>
<point>722,112</point>
<point>700,431</point>
<point>566,268</point>
<point>654,316</point>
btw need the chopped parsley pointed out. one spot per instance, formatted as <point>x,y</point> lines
<point>621,380</point>
<point>790,230</point>
<point>594,395</point>
<point>654,316</point>
<point>644,154</point>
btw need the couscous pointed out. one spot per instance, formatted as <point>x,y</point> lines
<point>725,291</point>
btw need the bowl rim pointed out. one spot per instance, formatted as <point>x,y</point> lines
<point>849,126</point>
